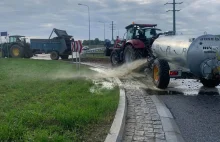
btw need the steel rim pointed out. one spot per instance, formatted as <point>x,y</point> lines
<point>15,51</point>
<point>156,73</point>
<point>54,55</point>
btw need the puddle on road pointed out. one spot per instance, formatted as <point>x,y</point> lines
<point>201,91</point>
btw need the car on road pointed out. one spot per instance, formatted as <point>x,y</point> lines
<point>85,48</point>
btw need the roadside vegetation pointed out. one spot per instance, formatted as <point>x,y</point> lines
<point>39,105</point>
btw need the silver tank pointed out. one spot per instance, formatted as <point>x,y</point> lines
<point>198,54</point>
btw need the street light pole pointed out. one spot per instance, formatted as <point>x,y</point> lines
<point>89,19</point>
<point>104,29</point>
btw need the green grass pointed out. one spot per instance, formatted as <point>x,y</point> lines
<point>38,105</point>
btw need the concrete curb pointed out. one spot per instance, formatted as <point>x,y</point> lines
<point>117,129</point>
<point>172,132</point>
<point>118,125</point>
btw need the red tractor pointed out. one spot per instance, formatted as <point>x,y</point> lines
<point>137,45</point>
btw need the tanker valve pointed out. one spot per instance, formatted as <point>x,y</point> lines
<point>175,73</point>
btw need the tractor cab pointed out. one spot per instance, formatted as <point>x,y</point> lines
<point>17,38</point>
<point>147,33</point>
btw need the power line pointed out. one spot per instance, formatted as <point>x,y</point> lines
<point>174,14</point>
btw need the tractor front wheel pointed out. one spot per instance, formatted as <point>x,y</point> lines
<point>161,77</point>
<point>16,51</point>
<point>54,55</point>
<point>114,58</point>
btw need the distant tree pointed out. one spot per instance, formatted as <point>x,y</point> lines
<point>96,41</point>
<point>85,42</point>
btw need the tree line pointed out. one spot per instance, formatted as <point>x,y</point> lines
<point>96,41</point>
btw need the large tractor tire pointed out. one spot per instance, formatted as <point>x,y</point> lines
<point>64,57</point>
<point>17,51</point>
<point>209,83</point>
<point>161,77</point>
<point>115,59</point>
<point>27,51</point>
<point>130,54</point>
<point>54,55</point>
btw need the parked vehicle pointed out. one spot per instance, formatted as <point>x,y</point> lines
<point>85,48</point>
<point>59,46</point>
<point>171,56</point>
<point>17,47</point>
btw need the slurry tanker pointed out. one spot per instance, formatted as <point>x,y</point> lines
<point>171,56</point>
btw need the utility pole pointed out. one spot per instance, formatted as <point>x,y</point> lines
<point>89,19</point>
<point>112,28</point>
<point>174,14</point>
<point>104,28</point>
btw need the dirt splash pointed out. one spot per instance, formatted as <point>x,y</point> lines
<point>120,71</point>
<point>101,73</point>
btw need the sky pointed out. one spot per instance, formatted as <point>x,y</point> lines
<point>37,18</point>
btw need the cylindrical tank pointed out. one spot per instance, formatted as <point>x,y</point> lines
<point>199,54</point>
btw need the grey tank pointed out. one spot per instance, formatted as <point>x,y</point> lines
<point>198,54</point>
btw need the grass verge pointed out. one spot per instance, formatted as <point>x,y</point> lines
<point>35,106</point>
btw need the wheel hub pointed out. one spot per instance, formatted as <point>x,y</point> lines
<point>156,73</point>
<point>15,51</point>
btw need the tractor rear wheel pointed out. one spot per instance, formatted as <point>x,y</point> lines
<point>209,83</point>
<point>130,54</point>
<point>63,57</point>
<point>17,51</point>
<point>161,77</point>
<point>54,55</point>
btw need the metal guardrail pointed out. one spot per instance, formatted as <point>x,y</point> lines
<point>94,51</point>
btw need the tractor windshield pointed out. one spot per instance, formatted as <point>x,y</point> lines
<point>16,39</point>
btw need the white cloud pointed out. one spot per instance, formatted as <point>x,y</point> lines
<point>48,25</point>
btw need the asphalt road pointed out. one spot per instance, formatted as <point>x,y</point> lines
<point>198,117</point>
<point>196,109</point>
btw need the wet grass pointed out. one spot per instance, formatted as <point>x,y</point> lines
<point>37,107</point>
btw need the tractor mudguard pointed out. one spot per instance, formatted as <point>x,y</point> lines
<point>136,43</point>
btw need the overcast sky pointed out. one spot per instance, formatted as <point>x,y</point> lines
<point>37,18</point>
